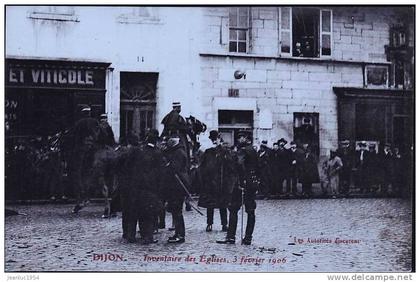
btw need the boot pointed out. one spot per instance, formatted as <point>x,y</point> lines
<point>176,239</point>
<point>246,241</point>
<point>229,241</point>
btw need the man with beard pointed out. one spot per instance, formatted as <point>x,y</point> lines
<point>218,174</point>
<point>244,193</point>
<point>176,177</point>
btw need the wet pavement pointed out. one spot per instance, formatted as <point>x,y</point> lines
<point>374,235</point>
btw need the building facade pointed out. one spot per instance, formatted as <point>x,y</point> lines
<point>315,75</point>
<point>332,67</point>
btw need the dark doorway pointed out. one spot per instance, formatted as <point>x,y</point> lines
<point>306,130</point>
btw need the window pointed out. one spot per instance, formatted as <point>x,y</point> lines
<point>239,29</point>
<point>232,122</point>
<point>376,76</point>
<point>305,32</point>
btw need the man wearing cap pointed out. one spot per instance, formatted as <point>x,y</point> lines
<point>85,134</point>
<point>264,168</point>
<point>218,172</point>
<point>347,157</point>
<point>244,193</point>
<point>174,123</point>
<point>106,135</point>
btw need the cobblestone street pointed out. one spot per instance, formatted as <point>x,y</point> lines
<point>375,235</point>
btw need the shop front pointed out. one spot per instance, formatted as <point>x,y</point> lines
<point>43,98</point>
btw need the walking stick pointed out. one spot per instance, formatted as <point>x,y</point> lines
<point>242,213</point>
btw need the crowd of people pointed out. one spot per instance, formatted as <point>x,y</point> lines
<point>161,172</point>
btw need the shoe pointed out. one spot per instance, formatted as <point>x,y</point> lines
<point>53,198</point>
<point>188,208</point>
<point>64,198</point>
<point>224,228</point>
<point>149,241</point>
<point>155,231</point>
<point>246,241</point>
<point>176,239</point>
<point>226,241</point>
<point>171,228</point>
<point>209,228</point>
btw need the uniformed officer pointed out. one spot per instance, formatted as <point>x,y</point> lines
<point>176,179</point>
<point>85,134</point>
<point>245,192</point>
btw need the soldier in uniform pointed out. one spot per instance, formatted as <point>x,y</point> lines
<point>85,134</point>
<point>264,167</point>
<point>244,193</point>
<point>175,171</point>
<point>218,172</point>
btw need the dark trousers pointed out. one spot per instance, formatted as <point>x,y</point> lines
<point>179,223</point>
<point>80,171</point>
<point>293,180</point>
<point>223,216</point>
<point>233,223</point>
<point>307,188</point>
<point>146,226</point>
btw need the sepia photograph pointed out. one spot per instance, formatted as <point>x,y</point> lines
<point>209,138</point>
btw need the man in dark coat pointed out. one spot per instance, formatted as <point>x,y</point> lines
<point>244,193</point>
<point>217,170</point>
<point>264,168</point>
<point>347,157</point>
<point>295,161</point>
<point>106,135</point>
<point>283,164</point>
<point>176,171</point>
<point>308,172</point>
<point>362,172</point>
<point>139,185</point>
<point>372,168</point>
<point>85,134</point>
<point>386,168</point>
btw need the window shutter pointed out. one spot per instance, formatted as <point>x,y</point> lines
<point>224,31</point>
<point>325,28</point>
<point>249,30</point>
<point>285,31</point>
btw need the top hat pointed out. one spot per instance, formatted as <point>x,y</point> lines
<point>213,135</point>
<point>282,140</point>
<point>176,104</point>
<point>264,143</point>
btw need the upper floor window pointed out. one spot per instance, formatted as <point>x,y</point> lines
<point>239,29</point>
<point>305,32</point>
